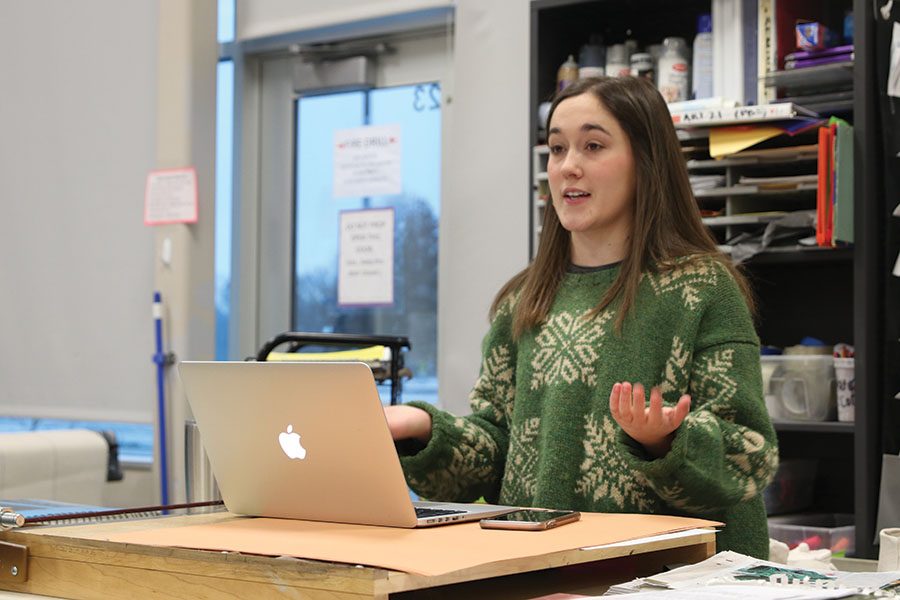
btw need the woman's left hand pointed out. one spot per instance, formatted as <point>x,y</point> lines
<point>653,427</point>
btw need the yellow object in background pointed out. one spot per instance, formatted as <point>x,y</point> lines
<point>728,140</point>
<point>370,354</point>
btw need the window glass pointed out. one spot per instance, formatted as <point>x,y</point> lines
<point>224,202</point>
<point>226,16</point>
<point>415,111</point>
<point>135,440</point>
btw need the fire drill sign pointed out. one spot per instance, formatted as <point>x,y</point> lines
<point>367,161</point>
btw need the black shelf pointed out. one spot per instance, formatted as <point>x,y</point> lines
<point>813,77</point>
<point>801,255</point>
<point>814,426</point>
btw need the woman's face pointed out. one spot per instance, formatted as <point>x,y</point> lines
<point>591,171</point>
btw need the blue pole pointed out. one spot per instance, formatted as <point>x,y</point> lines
<point>160,359</point>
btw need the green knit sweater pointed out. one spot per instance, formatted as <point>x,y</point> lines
<point>541,433</point>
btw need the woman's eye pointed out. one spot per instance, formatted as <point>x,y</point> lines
<point>556,149</point>
<point>594,146</point>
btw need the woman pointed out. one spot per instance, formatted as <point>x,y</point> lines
<point>628,293</point>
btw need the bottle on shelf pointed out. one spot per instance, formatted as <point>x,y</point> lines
<point>674,73</point>
<point>702,72</point>
<point>592,58</point>
<point>655,51</point>
<point>642,65</point>
<point>567,74</point>
<point>631,46</point>
<point>617,64</point>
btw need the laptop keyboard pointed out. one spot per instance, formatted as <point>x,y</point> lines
<point>424,513</point>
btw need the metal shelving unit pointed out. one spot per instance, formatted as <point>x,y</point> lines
<point>838,293</point>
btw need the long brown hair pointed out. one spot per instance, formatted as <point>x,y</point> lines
<point>666,218</point>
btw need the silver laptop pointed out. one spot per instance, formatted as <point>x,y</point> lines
<point>307,441</point>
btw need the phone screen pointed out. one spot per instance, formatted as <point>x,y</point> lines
<point>532,516</point>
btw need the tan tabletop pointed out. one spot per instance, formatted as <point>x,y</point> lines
<point>81,562</point>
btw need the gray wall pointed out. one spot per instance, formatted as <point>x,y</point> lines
<point>77,137</point>
<point>79,132</point>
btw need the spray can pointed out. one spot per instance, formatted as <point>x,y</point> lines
<point>567,74</point>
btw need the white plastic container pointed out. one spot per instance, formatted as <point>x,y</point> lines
<point>674,73</point>
<point>799,387</point>
<point>642,65</point>
<point>702,71</point>
<point>837,532</point>
<point>617,63</point>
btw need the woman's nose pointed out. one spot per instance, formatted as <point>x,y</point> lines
<point>571,166</point>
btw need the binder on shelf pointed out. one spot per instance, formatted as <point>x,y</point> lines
<point>834,198</point>
<point>824,206</point>
<point>749,15</point>
<point>765,47</point>
<point>843,183</point>
<point>737,115</point>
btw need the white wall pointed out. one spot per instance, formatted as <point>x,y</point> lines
<point>77,136</point>
<point>256,18</point>
<point>484,210</point>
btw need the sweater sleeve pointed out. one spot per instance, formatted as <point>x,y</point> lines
<point>465,458</point>
<point>725,451</point>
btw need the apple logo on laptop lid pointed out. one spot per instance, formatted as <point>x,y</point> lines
<point>290,443</point>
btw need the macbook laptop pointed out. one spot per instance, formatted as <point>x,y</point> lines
<point>307,441</point>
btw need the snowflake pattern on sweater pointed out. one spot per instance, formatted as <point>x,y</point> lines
<point>568,348</point>
<point>541,434</point>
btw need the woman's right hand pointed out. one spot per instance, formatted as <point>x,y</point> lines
<point>407,422</point>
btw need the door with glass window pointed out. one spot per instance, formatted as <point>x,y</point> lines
<point>343,236</point>
<point>367,207</point>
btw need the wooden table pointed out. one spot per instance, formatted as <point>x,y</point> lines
<point>78,562</point>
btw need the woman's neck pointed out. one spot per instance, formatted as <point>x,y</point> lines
<point>592,250</point>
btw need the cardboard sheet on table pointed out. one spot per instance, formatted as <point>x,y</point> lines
<point>426,551</point>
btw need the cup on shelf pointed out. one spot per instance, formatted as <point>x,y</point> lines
<point>845,381</point>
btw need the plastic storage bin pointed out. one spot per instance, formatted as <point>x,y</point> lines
<point>791,489</point>
<point>799,387</point>
<point>834,531</point>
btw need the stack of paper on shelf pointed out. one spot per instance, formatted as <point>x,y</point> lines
<point>706,182</point>
<point>732,129</point>
<point>724,115</point>
<point>814,58</point>
<point>788,182</point>
<point>727,141</point>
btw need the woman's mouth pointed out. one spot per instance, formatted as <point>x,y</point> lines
<point>575,196</point>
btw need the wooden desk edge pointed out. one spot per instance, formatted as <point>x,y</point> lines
<point>696,547</point>
<point>63,543</point>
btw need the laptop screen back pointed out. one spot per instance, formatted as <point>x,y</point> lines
<point>298,440</point>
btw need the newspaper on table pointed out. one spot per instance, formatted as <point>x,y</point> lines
<point>729,573</point>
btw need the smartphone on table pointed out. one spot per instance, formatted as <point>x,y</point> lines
<point>531,519</point>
